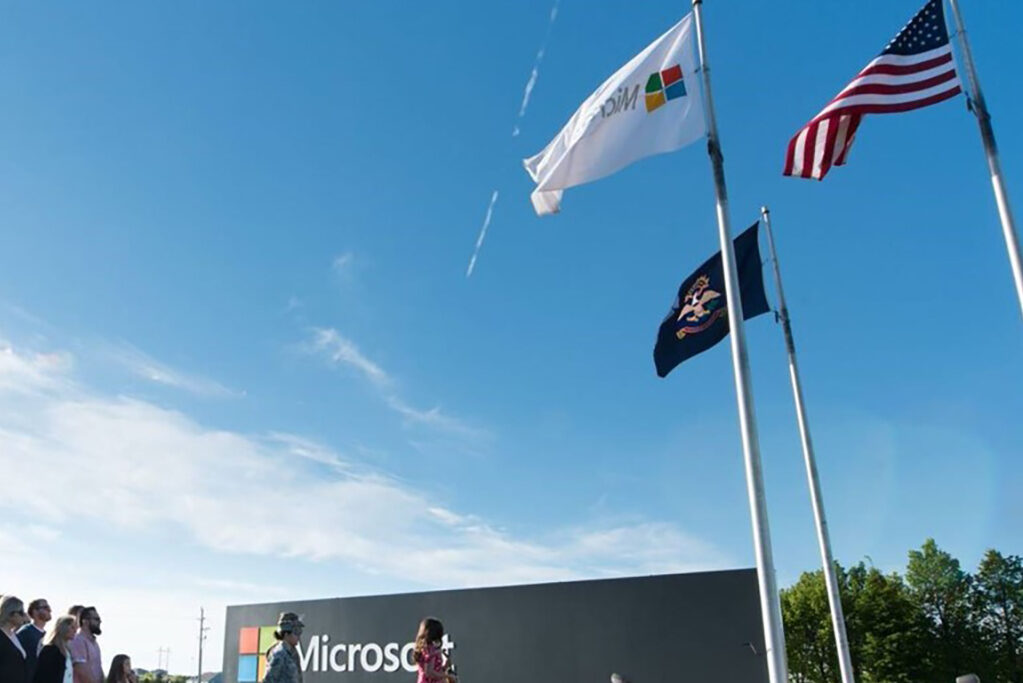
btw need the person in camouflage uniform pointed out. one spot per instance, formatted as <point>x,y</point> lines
<point>282,662</point>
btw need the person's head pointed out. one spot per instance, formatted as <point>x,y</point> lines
<point>120,669</point>
<point>39,611</point>
<point>430,631</point>
<point>74,611</point>
<point>89,621</point>
<point>289,628</point>
<point>12,613</point>
<point>63,631</point>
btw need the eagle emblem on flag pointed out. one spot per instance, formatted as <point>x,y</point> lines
<point>702,306</point>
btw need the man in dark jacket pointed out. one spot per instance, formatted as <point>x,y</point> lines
<point>31,634</point>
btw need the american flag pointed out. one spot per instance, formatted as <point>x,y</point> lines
<point>915,70</point>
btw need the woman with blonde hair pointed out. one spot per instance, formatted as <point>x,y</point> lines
<point>13,660</point>
<point>55,657</point>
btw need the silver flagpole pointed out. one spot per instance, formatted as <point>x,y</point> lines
<point>823,538</point>
<point>987,135</point>
<point>770,603</point>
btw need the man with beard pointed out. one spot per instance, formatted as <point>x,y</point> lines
<point>31,634</point>
<point>85,656</point>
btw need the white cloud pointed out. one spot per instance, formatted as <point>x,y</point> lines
<point>436,418</point>
<point>30,373</point>
<point>148,368</point>
<point>151,472</point>
<point>340,350</point>
<point>342,263</point>
<point>151,465</point>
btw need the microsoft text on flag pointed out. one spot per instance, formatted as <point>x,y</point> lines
<point>650,106</point>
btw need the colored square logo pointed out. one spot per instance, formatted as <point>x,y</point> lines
<point>248,641</point>
<point>672,75</point>
<point>664,86</point>
<point>654,101</point>
<point>675,91</point>
<point>247,668</point>
<point>266,638</point>
<point>653,84</point>
<point>262,668</point>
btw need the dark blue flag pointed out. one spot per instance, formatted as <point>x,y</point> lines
<point>699,317</point>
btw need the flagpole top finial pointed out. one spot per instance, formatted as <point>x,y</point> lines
<point>764,210</point>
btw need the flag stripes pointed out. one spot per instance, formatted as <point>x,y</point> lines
<point>910,74</point>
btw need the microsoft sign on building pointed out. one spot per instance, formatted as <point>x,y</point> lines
<point>680,627</point>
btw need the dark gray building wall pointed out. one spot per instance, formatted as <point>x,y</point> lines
<point>679,627</point>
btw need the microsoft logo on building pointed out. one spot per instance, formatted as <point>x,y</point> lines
<point>320,654</point>
<point>253,643</point>
<point>663,86</point>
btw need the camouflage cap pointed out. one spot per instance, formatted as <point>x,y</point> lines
<point>289,622</point>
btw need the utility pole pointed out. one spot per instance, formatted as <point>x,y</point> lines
<point>203,628</point>
<point>163,658</point>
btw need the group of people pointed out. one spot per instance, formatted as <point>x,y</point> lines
<point>67,652</point>
<point>283,663</point>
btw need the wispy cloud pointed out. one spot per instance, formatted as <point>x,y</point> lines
<point>483,234</point>
<point>229,497</point>
<point>339,350</point>
<point>343,263</point>
<point>148,368</point>
<point>86,442</point>
<point>342,351</point>
<point>308,450</point>
<point>436,418</point>
<point>22,314</point>
<point>32,372</point>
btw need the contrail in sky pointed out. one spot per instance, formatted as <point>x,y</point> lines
<point>535,73</point>
<point>530,84</point>
<point>483,234</point>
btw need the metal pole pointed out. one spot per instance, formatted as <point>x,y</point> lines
<point>987,136</point>
<point>816,499</point>
<point>202,637</point>
<point>770,603</point>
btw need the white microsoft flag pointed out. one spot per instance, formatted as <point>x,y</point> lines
<point>649,106</point>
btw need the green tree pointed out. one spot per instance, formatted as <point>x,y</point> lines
<point>809,640</point>
<point>886,629</point>
<point>937,623</point>
<point>999,602</point>
<point>943,592</point>
<point>153,677</point>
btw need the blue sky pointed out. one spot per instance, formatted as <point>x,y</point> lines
<point>241,360</point>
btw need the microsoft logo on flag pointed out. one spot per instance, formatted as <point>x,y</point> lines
<point>253,643</point>
<point>663,86</point>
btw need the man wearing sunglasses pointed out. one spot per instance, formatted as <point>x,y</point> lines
<point>31,634</point>
<point>85,655</point>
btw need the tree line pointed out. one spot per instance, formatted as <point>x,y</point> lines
<point>929,625</point>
